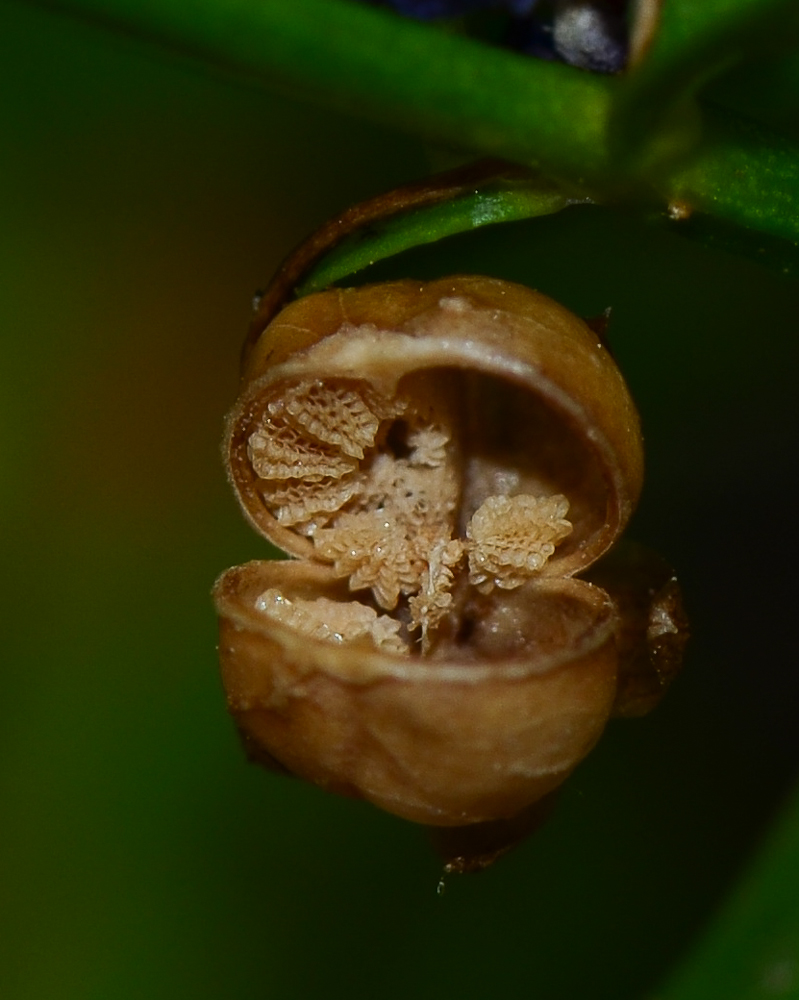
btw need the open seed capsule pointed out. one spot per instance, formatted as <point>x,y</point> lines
<point>440,460</point>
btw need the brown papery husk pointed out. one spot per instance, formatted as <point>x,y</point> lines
<point>574,410</point>
<point>490,724</point>
<point>653,627</point>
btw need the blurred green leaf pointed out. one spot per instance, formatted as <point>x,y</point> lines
<point>752,951</point>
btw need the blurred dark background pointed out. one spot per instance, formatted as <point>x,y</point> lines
<point>144,200</point>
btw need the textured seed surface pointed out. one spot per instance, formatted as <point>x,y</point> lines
<point>333,620</point>
<point>511,538</point>
<point>376,484</point>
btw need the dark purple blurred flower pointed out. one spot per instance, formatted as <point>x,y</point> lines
<point>429,9</point>
<point>591,34</point>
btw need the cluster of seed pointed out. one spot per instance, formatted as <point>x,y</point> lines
<point>384,517</point>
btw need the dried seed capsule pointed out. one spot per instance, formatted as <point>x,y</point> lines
<point>440,459</point>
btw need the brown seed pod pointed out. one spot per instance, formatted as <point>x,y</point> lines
<point>441,459</point>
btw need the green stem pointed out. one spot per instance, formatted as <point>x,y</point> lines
<point>369,62</point>
<point>452,90</point>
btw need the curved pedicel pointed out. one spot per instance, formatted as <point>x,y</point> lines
<point>440,459</point>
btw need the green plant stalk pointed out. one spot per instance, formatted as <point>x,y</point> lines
<point>452,90</point>
<point>743,174</point>
<point>694,43</point>
<point>373,64</point>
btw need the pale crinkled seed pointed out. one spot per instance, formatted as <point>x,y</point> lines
<point>511,538</point>
<point>373,550</point>
<point>295,501</point>
<point>333,621</point>
<point>434,599</point>
<point>334,414</point>
<point>279,451</point>
<point>428,446</point>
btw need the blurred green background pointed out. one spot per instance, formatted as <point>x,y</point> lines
<point>144,200</point>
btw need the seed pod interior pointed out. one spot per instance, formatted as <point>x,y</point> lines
<point>408,438</point>
<point>440,459</point>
